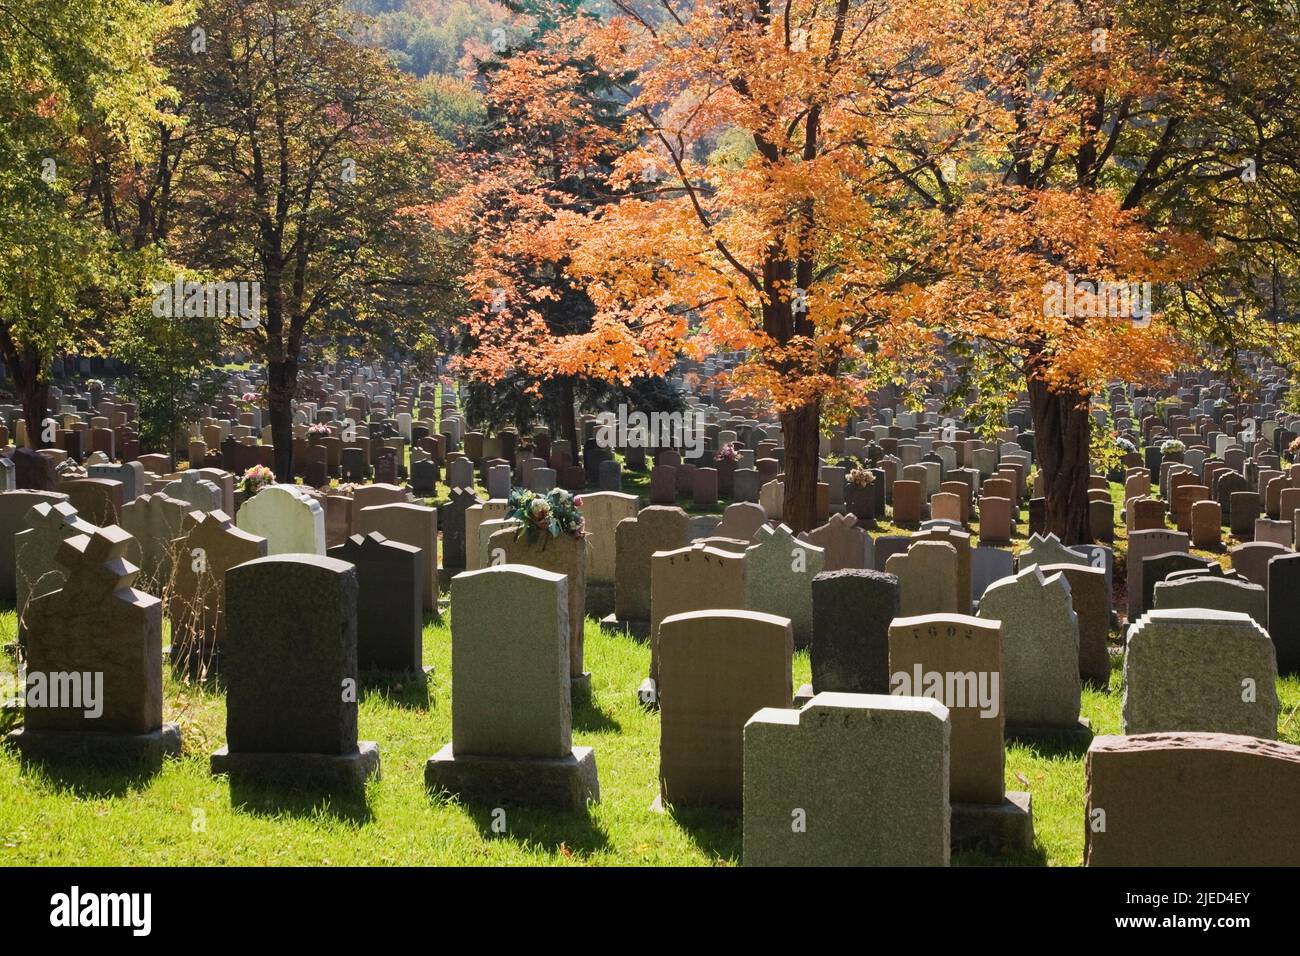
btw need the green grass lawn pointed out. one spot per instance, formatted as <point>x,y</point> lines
<point>87,819</point>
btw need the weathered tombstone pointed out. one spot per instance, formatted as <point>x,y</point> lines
<point>717,668</point>
<point>291,621</point>
<point>209,545</point>
<point>844,544</point>
<point>452,518</point>
<point>94,663</point>
<point>415,525</point>
<point>511,713</point>
<point>154,523</point>
<point>741,521</point>
<point>1040,654</point>
<point>98,500</point>
<point>848,780</point>
<point>291,522</point>
<point>778,578</point>
<point>390,582</point>
<point>1197,669</point>
<point>37,546</point>
<point>196,491</point>
<point>1191,799</point>
<point>961,541</point>
<point>1157,567</point>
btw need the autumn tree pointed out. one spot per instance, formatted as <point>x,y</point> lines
<point>1113,143</point>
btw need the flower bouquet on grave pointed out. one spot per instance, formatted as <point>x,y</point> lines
<point>727,452</point>
<point>1171,449</point>
<point>257,478</point>
<point>248,400</point>
<point>859,493</point>
<point>542,517</point>
<point>1293,449</point>
<point>318,431</point>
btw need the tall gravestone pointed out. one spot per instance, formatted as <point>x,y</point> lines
<point>779,570</point>
<point>291,622</point>
<point>511,718</point>
<point>717,669</point>
<point>852,610</point>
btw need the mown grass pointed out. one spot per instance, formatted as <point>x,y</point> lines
<point>83,817</point>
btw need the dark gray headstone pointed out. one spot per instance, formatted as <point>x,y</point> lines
<point>390,578</point>
<point>852,609</point>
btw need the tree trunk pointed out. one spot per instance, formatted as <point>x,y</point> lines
<point>801,431</point>
<point>36,400</point>
<point>568,428</point>
<point>282,385</point>
<point>1061,443</point>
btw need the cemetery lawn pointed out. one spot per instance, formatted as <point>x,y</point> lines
<point>183,816</point>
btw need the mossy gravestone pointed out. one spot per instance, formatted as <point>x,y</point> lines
<point>511,719</point>
<point>290,666</point>
<point>94,662</point>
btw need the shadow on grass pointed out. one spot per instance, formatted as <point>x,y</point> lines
<point>274,800</point>
<point>976,857</point>
<point>715,830</point>
<point>89,781</point>
<point>406,690</point>
<point>554,831</point>
<point>590,717</point>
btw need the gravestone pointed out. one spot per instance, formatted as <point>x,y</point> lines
<point>601,514</point>
<point>452,519</point>
<point>1213,591</point>
<point>1144,544</point>
<point>778,578</point>
<point>1091,603</point>
<point>717,668</point>
<point>290,522</point>
<point>1193,800</point>
<point>1284,611</point>
<point>511,737</point>
<point>927,578</point>
<point>843,543</point>
<point>208,546</point>
<point>154,523</point>
<point>864,775</point>
<point>957,660</point>
<point>37,546</point>
<point>415,525</point>
<point>1198,669</point>
<point>94,663</point>
<point>1040,654</point>
<point>695,578</point>
<point>852,610</point>
<point>656,528</point>
<point>390,577</point>
<point>563,554</point>
<point>291,621</point>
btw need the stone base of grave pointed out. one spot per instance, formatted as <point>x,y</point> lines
<point>323,771</point>
<point>647,695</point>
<point>565,783</point>
<point>97,748</point>
<point>1080,733</point>
<point>600,598</point>
<point>992,827</point>
<point>803,695</point>
<point>637,629</point>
